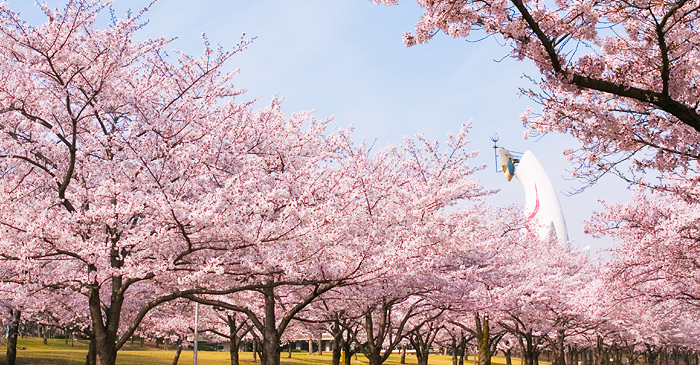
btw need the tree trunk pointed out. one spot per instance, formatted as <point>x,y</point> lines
<point>374,358</point>
<point>311,346</point>
<point>337,349</point>
<point>571,356</point>
<point>320,343</point>
<point>45,336</point>
<point>422,351</point>
<point>403,355</point>
<point>233,349</point>
<point>482,331</point>
<point>178,351</point>
<point>338,344</point>
<point>13,331</point>
<point>599,355</point>
<point>509,361</point>
<point>91,357</point>
<point>104,335</point>
<point>255,350</point>
<point>422,341</point>
<point>530,353</point>
<point>423,360</point>
<point>632,357</point>
<point>455,355</point>
<point>651,356</point>
<point>271,340</point>
<point>348,353</point>
<point>559,356</point>
<point>105,354</point>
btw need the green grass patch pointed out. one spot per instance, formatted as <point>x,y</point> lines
<point>57,352</point>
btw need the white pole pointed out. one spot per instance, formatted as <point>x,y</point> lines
<point>196,324</point>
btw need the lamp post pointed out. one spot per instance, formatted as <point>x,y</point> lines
<point>196,333</point>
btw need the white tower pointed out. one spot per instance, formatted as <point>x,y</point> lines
<point>542,209</point>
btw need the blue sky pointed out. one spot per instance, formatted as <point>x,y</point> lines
<point>345,58</point>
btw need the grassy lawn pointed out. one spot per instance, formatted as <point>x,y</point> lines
<point>57,352</point>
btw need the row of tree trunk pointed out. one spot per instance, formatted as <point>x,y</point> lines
<point>422,342</point>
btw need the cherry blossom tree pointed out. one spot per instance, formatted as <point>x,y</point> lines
<point>385,323</point>
<point>475,270</point>
<point>172,322</point>
<point>237,328</point>
<point>456,339</point>
<point>132,178</point>
<point>658,254</point>
<point>424,335</point>
<point>619,76</point>
<point>385,210</point>
<point>551,301</point>
<point>334,314</point>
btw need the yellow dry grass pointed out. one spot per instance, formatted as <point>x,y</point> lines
<point>57,352</point>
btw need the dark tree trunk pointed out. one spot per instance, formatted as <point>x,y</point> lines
<point>255,350</point>
<point>455,351</point>
<point>482,339</point>
<point>91,357</point>
<point>178,351</point>
<point>337,331</point>
<point>509,361</point>
<point>382,337</point>
<point>337,352</point>
<point>559,355</point>
<point>105,333</point>
<point>422,351</point>
<point>599,355</point>
<point>268,327</point>
<point>375,359</point>
<point>271,339</point>
<point>423,360</point>
<point>571,356</point>
<point>651,356</point>
<point>106,316</point>
<point>530,352</point>
<point>422,341</point>
<point>233,354</point>
<point>403,354</point>
<point>676,357</point>
<point>348,353</point>
<point>632,357</point>
<point>463,350</point>
<point>13,332</point>
<point>236,332</point>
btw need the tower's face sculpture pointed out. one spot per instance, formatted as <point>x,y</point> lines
<point>544,217</point>
<point>507,162</point>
